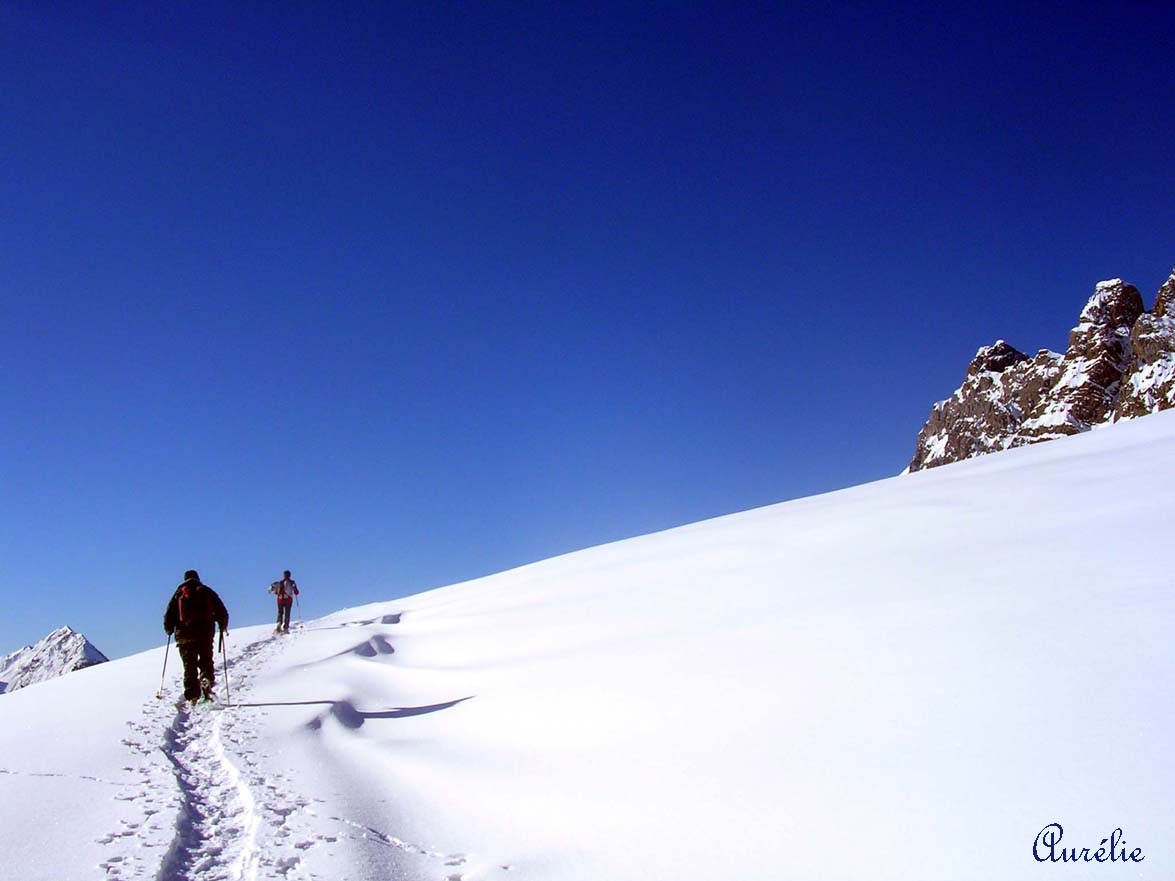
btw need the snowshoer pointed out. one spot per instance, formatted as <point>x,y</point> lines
<point>192,615</point>
<point>285,591</point>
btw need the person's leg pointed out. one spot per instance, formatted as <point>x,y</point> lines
<point>188,653</point>
<point>207,661</point>
<point>279,615</point>
<point>286,613</point>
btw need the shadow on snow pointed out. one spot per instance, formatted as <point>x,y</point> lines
<point>349,716</point>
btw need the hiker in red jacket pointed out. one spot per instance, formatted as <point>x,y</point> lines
<point>192,615</point>
<point>285,591</point>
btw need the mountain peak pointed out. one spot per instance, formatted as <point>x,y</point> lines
<point>62,651</point>
<point>996,358</point>
<point>1114,305</point>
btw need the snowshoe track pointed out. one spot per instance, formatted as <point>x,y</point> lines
<point>199,806</point>
<point>190,760</point>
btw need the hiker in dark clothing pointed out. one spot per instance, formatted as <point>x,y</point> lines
<point>285,591</point>
<point>192,615</point>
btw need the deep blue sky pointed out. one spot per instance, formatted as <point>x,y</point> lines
<point>398,295</point>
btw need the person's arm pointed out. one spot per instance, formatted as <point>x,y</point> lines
<point>170,615</point>
<point>220,613</point>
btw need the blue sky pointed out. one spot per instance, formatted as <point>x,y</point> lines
<point>399,295</point>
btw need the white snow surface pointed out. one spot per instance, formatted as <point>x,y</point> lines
<point>903,680</point>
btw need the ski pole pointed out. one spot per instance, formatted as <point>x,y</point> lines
<point>159,694</point>
<point>298,603</point>
<point>228,694</point>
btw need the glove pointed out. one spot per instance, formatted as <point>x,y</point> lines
<point>169,630</point>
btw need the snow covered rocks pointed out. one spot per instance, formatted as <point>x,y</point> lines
<point>1149,384</point>
<point>1120,363</point>
<point>61,652</point>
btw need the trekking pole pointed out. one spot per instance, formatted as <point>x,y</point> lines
<point>159,694</point>
<point>228,694</point>
<point>298,603</point>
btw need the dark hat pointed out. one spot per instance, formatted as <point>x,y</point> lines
<point>287,572</point>
<point>191,575</point>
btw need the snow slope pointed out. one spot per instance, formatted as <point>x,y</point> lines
<point>904,680</point>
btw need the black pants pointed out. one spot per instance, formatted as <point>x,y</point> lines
<point>199,663</point>
<point>284,609</point>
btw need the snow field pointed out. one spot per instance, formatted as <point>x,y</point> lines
<point>904,680</point>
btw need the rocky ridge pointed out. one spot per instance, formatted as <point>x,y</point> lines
<point>1119,364</point>
<point>62,651</point>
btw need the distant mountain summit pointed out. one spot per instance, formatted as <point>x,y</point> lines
<point>1120,364</point>
<point>61,652</point>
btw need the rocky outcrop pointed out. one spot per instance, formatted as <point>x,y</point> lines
<point>976,418</point>
<point>1149,384</point>
<point>1099,353</point>
<point>1120,363</point>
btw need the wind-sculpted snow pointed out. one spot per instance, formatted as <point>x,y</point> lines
<point>915,679</point>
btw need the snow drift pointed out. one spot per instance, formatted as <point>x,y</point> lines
<point>904,680</point>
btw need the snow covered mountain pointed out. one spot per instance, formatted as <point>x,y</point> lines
<point>907,680</point>
<point>61,652</point>
<point>1120,364</point>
